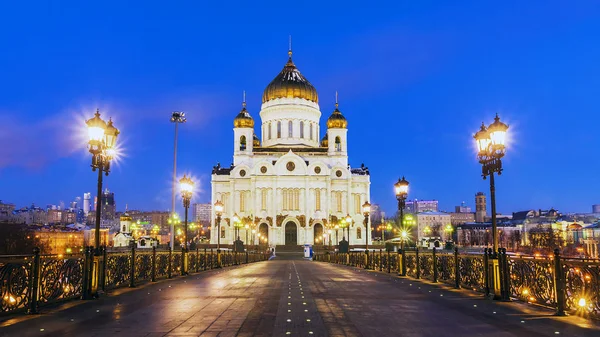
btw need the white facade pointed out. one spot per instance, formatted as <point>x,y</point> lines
<point>290,186</point>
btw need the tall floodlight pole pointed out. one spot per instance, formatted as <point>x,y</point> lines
<point>177,117</point>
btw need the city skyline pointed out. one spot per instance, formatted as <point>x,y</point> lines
<point>445,80</point>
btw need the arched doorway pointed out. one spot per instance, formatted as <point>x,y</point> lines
<point>318,234</point>
<point>263,230</point>
<point>291,234</point>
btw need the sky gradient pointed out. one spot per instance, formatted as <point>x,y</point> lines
<point>415,81</point>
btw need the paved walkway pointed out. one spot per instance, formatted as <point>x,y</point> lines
<point>295,298</point>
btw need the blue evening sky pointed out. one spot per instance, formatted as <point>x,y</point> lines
<point>415,80</point>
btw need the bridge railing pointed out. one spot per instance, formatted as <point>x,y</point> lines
<point>30,281</point>
<point>565,284</point>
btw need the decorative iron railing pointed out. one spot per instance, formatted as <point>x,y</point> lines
<point>565,284</point>
<point>30,281</point>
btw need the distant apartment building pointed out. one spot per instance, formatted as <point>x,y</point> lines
<point>54,216</point>
<point>459,218</point>
<point>7,212</point>
<point>201,213</point>
<point>151,218</point>
<point>463,208</point>
<point>432,224</point>
<point>418,206</point>
<point>596,209</point>
<point>31,215</point>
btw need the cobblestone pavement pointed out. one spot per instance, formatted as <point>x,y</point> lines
<point>294,298</point>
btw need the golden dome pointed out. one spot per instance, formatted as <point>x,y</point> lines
<point>337,120</point>
<point>243,119</point>
<point>290,83</point>
<point>125,217</point>
<point>255,140</point>
<point>325,141</point>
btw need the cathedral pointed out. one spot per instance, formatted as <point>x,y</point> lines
<point>289,187</point>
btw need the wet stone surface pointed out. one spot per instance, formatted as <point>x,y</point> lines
<point>293,297</point>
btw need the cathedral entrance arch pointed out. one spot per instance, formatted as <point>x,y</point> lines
<point>318,234</point>
<point>263,230</point>
<point>291,234</point>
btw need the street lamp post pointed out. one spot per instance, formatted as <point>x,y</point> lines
<point>186,185</point>
<point>177,117</point>
<point>246,227</point>
<point>491,146</point>
<point>102,140</point>
<point>348,223</point>
<point>401,188</point>
<point>218,213</point>
<point>102,145</point>
<point>366,210</point>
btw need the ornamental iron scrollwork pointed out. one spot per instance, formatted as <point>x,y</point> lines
<point>60,278</point>
<point>472,272</point>
<point>532,280</point>
<point>117,269</point>
<point>582,286</point>
<point>14,283</point>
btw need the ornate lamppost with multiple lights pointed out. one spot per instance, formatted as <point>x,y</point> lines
<point>102,141</point>
<point>102,145</point>
<point>218,213</point>
<point>401,189</point>
<point>366,207</point>
<point>491,146</point>
<point>186,185</point>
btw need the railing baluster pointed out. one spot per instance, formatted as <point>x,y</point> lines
<point>153,264</point>
<point>132,267</point>
<point>34,282</point>
<point>559,284</point>
<point>456,269</point>
<point>435,265</point>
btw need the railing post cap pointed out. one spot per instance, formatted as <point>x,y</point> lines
<point>36,250</point>
<point>556,251</point>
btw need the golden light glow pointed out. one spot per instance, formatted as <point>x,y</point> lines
<point>582,302</point>
<point>401,187</point>
<point>366,208</point>
<point>96,127</point>
<point>218,207</point>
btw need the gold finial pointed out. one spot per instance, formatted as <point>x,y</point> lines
<point>244,100</point>
<point>336,99</point>
<point>290,48</point>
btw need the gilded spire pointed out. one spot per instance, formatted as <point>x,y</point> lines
<point>337,120</point>
<point>243,119</point>
<point>290,48</point>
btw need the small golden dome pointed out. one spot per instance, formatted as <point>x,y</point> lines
<point>243,119</point>
<point>325,141</point>
<point>125,217</point>
<point>337,120</point>
<point>290,83</point>
<point>255,141</point>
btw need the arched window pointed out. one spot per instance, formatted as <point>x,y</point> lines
<point>301,129</point>
<point>358,233</point>
<point>338,144</point>
<point>290,129</point>
<point>269,130</point>
<point>242,143</point>
<point>311,131</point>
<point>278,129</point>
